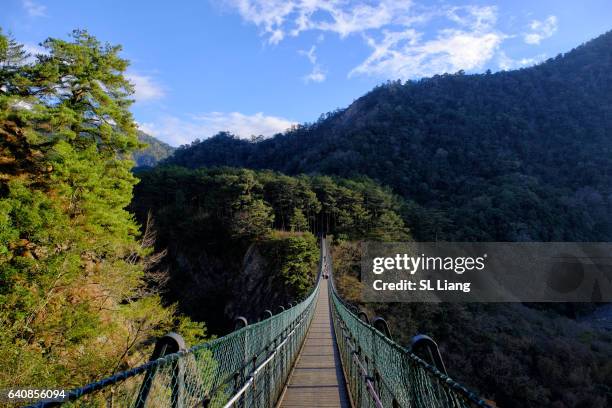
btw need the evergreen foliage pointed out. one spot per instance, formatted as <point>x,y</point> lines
<point>73,302</point>
<point>294,259</point>
<point>235,204</point>
<point>298,221</point>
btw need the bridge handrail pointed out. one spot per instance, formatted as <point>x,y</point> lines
<point>211,373</point>
<point>381,372</point>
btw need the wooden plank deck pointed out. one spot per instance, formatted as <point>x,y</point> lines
<point>317,379</point>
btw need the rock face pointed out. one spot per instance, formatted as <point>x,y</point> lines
<point>256,288</point>
<point>201,285</point>
<point>216,290</point>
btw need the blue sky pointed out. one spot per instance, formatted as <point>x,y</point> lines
<point>257,66</point>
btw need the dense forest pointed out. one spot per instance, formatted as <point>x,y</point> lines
<point>223,227</point>
<point>510,156</point>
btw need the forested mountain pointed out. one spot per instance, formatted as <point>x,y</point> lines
<point>518,155</point>
<point>240,241</point>
<point>154,151</point>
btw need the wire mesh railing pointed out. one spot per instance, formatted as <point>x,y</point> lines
<point>246,368</point>
<point>250,367</point>
<point>381,373</point>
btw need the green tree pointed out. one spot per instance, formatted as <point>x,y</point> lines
<point>298,221</point>
<point>72,280</point>
<point>252,219</point>
<point>293,259</point>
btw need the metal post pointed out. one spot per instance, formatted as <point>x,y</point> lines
<point>170,343</point>
<point>364,317</point>
<point>422,342</point>
<point>240,322</point>
<point>381,325</point>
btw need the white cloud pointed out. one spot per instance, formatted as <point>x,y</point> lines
<point>177,131</point>
<point>507,63</point>
<point>33,50</point>
<point>541,30</point>
<point>317,74</point>
<point>146,89</point>
<point>34,9</point>
<point>405,54</point>
<point>277,18</point>
<point>465,36</point>
<point>310,54</point>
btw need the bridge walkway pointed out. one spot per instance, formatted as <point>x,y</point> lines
<point>317,379</point>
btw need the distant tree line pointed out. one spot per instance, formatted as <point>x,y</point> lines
<point>238,204</point>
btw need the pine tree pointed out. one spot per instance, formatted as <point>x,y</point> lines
<point>298,221</point>
<point>72,304</point>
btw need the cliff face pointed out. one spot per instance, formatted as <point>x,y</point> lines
<point>256,288</point>
<point>201,283</point>
<point>216,286</point>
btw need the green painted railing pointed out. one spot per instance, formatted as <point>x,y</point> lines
<point>250,367</point>
<point>246,368</point>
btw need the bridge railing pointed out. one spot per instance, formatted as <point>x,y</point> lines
<point>381,373</point>
<point>246,368</point>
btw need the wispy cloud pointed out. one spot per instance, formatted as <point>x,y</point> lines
<point>541,30</point>
<point>317,74</point>
<point>507,63</point>
<point>278,18</point>
<point>146,88</point>
<point>34,9</point>
<point>34,49</point>
<point>467,46</point>
<point>465,37</point>
<point>177,131</point>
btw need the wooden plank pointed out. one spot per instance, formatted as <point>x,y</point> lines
<point>317,379</point>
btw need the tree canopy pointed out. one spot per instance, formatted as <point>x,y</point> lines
<point>74,304</point>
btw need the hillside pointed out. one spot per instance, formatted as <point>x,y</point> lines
<point>239,241</point>
<point>519,155</point>
<point>154,151</point>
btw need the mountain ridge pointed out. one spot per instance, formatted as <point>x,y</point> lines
<point>153,153</point>
<point>512,155</point>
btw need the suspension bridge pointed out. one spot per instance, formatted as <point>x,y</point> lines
<point>321,352</point>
